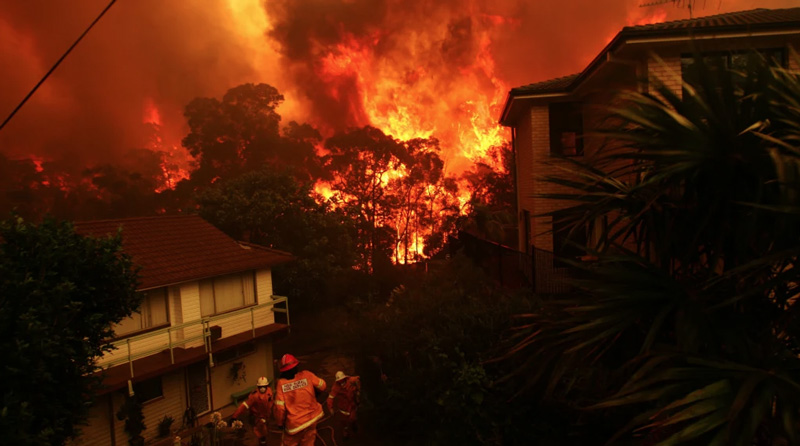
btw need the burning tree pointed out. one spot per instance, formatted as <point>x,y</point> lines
<point>416,194</point>
<point>396,191</point>
<point>361,162</point>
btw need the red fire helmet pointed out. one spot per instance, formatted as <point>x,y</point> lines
<point>288,362</point>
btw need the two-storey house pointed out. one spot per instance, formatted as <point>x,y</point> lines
<point>548,118</point>
<point>205,329</point>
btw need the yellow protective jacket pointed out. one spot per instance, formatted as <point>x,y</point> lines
<point>296,406</point>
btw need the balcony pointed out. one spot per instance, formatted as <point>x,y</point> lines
<point>156,352</point>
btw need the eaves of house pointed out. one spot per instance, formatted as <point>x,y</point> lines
<point>752,23</point>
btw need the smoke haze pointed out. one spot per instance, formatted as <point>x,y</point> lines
<point>412,67</point>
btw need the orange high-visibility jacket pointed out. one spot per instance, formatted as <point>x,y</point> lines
<point>259,404</point>
<point>296,406</point>
<point>345,395</point>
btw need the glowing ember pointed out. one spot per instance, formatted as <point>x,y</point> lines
<point>37,162</point>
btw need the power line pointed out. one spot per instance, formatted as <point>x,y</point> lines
<point>58,62</point>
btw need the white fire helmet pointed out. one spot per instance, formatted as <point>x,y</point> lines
<point>262,384</point>
<point>340,375</point>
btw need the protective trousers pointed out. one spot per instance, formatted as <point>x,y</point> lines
<point>260,430</point>
<point>346,422</point>
<point>305,437</point>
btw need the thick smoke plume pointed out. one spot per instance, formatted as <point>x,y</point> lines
<point>410,67</point>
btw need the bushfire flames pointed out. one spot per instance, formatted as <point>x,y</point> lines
<point>412,70</point>
<point>174,162</point>
<point>410,98</point>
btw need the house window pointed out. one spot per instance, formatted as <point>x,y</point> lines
<point>226,293</point>
<point>234,353</point>
<point>715,64</point>
<point>152,314</point>
<point>569,242</point>
<point>566,129</point>
<point>148,390</point>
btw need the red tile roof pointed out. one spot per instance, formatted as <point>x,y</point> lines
<point>175,249</point>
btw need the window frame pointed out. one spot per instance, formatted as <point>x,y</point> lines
<point>239,352</point>
<point>565,117</point>
<point>214,296</point>
<point>153,399</point>
<point>726,56</point>
<point>145,330</point>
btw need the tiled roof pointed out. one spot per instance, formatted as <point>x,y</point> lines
<point>175,249</point>
<point>753,17</point>
<point>548,86</point>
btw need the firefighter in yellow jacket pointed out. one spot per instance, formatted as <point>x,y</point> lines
<point>296,408</point>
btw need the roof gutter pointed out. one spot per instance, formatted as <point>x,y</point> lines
<point>710,36</point>
<point>512,98</point>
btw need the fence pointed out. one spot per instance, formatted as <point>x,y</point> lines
<point>500,262</point>
<point>548,275</point>
<point>540,269</point>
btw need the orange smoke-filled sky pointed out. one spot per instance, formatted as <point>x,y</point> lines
<point>410,67</point>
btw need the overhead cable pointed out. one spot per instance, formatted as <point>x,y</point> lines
<point>58,62</point>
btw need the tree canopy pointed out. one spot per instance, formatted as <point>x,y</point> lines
<point>60,293</point>
<point>272,209</point>
<point>241,133</point>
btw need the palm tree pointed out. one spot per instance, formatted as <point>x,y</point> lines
<point>691,303</point>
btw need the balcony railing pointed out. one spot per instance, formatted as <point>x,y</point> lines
<point>188,333</point>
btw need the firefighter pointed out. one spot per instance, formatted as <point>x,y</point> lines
<point>296,408</point>
<point>259,405</point>
<point>343,402</point>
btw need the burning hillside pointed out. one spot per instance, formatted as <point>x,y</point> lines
<point>110,121</point>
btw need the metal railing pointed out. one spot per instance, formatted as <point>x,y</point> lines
<point>204,335</point>
<point>548,274</point>
<point>543,271</point>
<point>500,262</point>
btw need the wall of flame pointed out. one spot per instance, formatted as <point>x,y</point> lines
<point>413,68</point>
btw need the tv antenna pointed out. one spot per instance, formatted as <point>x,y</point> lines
<point>679,3</point>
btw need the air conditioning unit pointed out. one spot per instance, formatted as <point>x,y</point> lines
<point>216,332</point>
